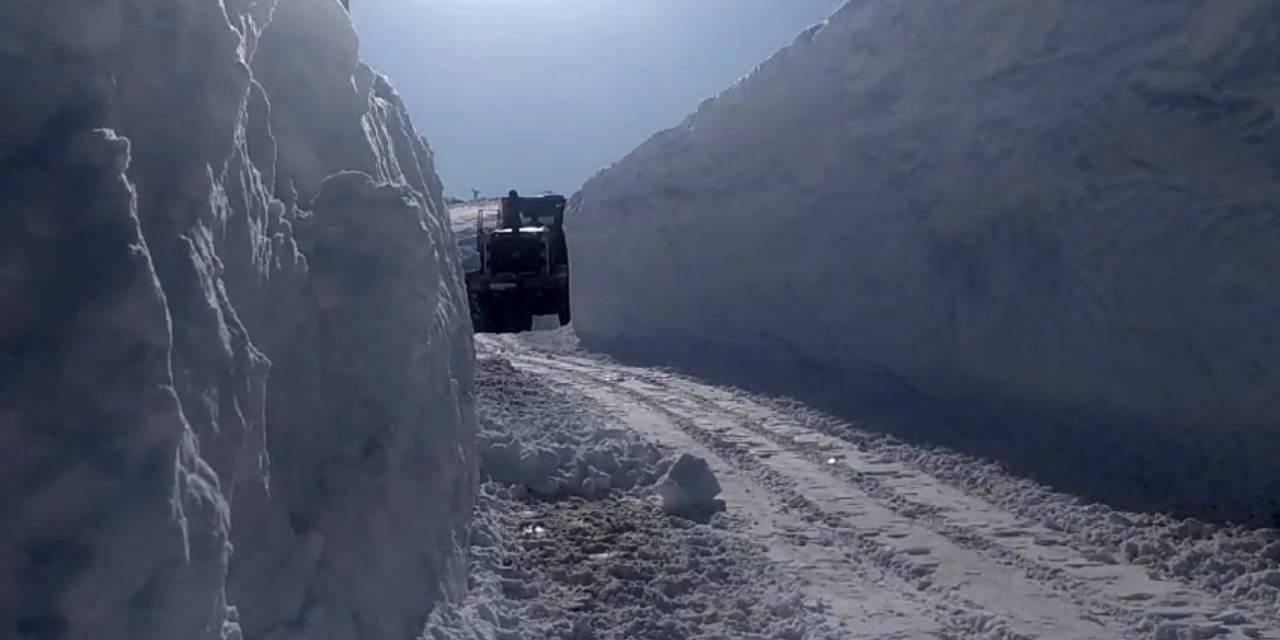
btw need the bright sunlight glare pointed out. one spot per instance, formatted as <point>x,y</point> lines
<point>540,94</point>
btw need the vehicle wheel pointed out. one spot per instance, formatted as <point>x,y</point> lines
<point>514,319</point>
<point>522,321</point>
<point>564,316</point>
<point>496,318</point>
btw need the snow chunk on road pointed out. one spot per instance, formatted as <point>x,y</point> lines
<point>689,489</point>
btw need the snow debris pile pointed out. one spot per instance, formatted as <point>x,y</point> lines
<point>532,438</point>
<point>236,358</point>
<point>1055,221</point>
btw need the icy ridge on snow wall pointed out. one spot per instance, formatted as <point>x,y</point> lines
<point>236,369</point>
<point>1056,223</point>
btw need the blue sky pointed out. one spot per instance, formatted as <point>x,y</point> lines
<point>541,94</point>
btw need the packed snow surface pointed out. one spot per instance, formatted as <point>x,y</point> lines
<point>235,359</point>
<point>829,530</point>
<point>1052,226</point>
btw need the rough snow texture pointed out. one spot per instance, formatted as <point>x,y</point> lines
<point>578,565</point>
<point>874,524</point>
<point>235,360</point>
<point>1055,221</point>
<point>550,455</point>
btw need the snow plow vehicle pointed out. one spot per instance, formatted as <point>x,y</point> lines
<point>524,266</point>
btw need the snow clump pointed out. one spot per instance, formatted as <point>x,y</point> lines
<point>689,489</point>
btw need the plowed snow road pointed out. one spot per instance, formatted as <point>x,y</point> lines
<point>896,549</point>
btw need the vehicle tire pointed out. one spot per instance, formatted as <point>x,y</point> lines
<point>495,317</point>
<point>490,324</point>
<point>514,319</point>
<point>522,321</point>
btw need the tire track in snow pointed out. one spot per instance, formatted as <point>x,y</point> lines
<point>852,584</point>
<point>906,553</point>
<point>955,618</point>
<point>1097,591</point>
<point>836,460</point>
<point>1166,602</point>
<point>992,614</point>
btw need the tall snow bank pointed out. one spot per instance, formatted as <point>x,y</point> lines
<point>1056,221</point>
<point>235,362</point>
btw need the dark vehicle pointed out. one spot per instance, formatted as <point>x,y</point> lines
<point>524,266</point>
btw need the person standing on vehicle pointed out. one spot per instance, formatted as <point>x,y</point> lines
<point>511,210</point>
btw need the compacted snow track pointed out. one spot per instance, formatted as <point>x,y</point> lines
<point>892,549</point>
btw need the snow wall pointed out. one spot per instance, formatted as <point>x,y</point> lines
<point>1057,223</point>
<point>236,367</point>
